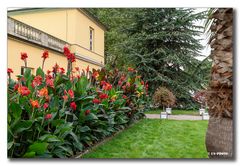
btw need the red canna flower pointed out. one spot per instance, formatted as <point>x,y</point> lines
<point>55,68</point>
<point>49,82</point>
<point>103,83</point>
<point>103,96</point>
<point>48,72</point>
<point>37,81</point>
<point>66,50</point>
<point>24,56</point>
<point>124,96</point>
<point>9,70</point>
<point>45,105</point>
<point>87,112</point>
<point>142,82</point>
<point>34,103</point>
<point>96,101</point>
<point>48,116</point>
<point>73,105</point>
<point>16,87</point>
<point>71,93</point>
<point>62,70</point>
<point>23,90</point>
<point>45,54</point>
<point>72,57</point>
<point>107,86</point>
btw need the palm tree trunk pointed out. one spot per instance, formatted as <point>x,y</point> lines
<point>219,138</point>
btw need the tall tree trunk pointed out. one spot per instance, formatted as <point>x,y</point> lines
<point>219,138</point>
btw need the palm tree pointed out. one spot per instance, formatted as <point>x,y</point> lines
<point>219,138</point>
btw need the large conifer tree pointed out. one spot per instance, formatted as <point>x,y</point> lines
<point>163,45</point>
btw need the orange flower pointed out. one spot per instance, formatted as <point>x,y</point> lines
<point>43,92</point>
<point>34,103</point>
<point>65,97</point>
<point>95,75</point>
<point>131,69</point>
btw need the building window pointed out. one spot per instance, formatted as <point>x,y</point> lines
<point>23,69</point>
<point>91,37</point>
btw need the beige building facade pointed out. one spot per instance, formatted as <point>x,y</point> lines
<point>35,30</point>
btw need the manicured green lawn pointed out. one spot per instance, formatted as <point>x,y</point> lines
<point>175,112</point>
<point>154,138</point>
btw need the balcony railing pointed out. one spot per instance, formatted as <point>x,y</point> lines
<point>28,33</point>
<point>31,34</point>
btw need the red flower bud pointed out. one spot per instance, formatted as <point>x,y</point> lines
<point>87,112</point>
<point>48,116</point>
<point>96,101</point>
<point>45,54</point>
<point>24,56</point>
<point>73,105</point>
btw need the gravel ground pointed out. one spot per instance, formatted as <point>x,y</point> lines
<point>175,117</point>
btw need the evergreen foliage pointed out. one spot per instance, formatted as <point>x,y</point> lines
<point>161,43</point>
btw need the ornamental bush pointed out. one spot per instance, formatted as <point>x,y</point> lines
<point>56,115</point>
<point>164,97</point>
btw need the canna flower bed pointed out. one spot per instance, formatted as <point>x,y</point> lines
<point>58,114</point>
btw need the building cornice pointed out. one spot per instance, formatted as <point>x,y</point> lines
<point>82,10</point>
